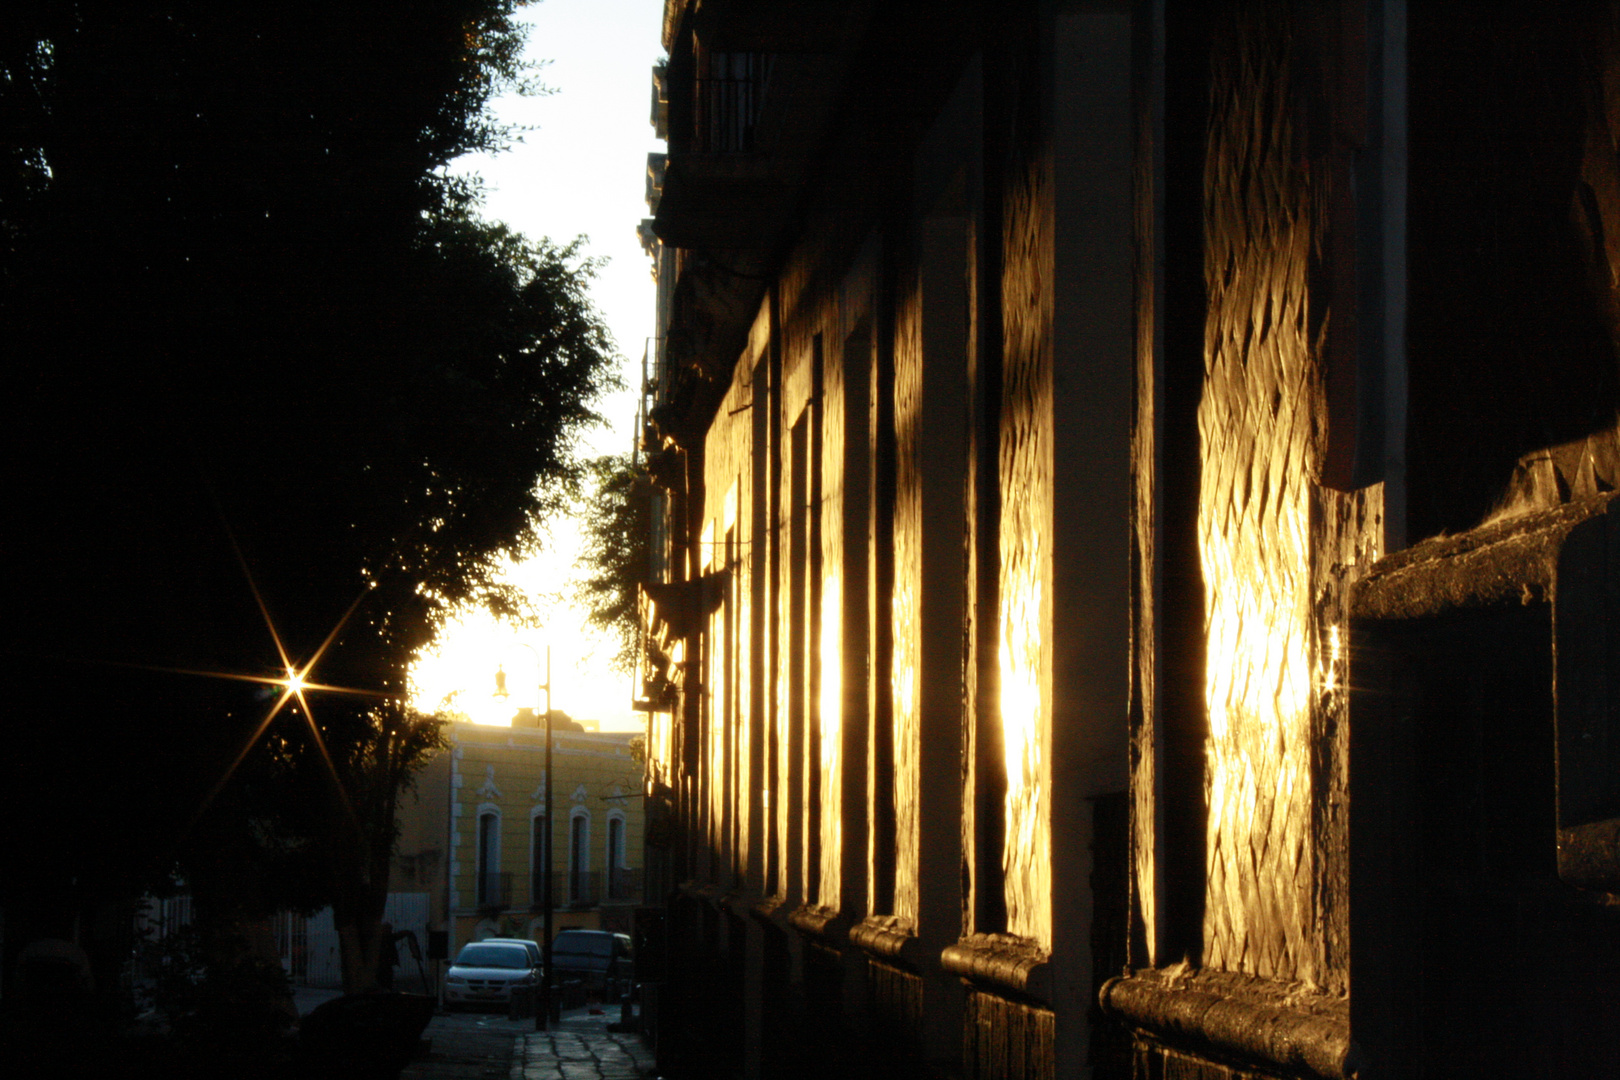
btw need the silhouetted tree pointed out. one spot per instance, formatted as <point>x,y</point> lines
<point>618,527</point>
<point>252,329</point>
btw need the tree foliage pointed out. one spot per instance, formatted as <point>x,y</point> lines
<point>266,363</point>
<point>618,527</point>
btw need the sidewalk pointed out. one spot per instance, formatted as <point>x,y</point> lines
<point>581,1050</point>
<point>474,1046</point>
<point>488,1046</point>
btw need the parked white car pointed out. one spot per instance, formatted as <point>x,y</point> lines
<point>486,973</point>
<point>528,943</point>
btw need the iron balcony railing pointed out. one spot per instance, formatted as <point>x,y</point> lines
<point>727,110</point>
<point>586,888</point>
<point>494,889</point>
<point>624,884</point>
<point>569,888</point>
<point>582,888</point>
<point>727,101</point>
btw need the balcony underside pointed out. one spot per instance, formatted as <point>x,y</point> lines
<point>722,202</point>
<point>782,26</point>
<point>821,137</point>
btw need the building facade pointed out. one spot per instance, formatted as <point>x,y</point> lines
<point>474,835</point>
<point>1124,470</point>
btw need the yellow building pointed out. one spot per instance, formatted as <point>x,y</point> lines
<point>474,833</point>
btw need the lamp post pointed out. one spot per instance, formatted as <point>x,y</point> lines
<point>542,1015</point>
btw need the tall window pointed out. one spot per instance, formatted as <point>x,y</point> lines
<point>539,847</point>
<point>579,858</point>
<point>616,875</point>
<point>489,859</point>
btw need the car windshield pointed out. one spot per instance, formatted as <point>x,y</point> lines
<point>584,944</point>
<point>532,948</point>
<point>493,956</point>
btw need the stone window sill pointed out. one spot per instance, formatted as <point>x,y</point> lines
<point>1002,962</point>
<point>827,925</point>
<point>888,937</point>
<point>1232,1017</point>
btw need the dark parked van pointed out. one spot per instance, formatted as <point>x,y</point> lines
<point>600,958</point>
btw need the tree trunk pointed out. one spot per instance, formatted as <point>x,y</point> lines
<point>361,879</point>
<point>358,913</point>
<point>358,946</point>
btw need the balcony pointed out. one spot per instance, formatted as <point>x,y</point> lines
<point>578,890</point>
<point>494,889</point>
<point>726,110</point>
<point>623,886</point>
<point>740,136</point>
<point>582,888</point>
<point>742,101</point>
<point>785,120</point>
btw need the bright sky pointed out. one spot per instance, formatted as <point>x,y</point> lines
<point>581,171</point>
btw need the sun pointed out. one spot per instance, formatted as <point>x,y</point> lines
<point>457,674</point>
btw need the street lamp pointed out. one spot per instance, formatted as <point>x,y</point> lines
<point>542,1015</point>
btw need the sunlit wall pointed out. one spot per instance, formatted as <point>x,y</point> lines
<point>1026,556</point>
<point>1276,548</point>
<point>906,603</point>
<point>829,754</point>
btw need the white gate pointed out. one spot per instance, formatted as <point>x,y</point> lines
<point>409,911</point>
<point>312,957</point>
<point>322,965</point>
<point>308,946</point>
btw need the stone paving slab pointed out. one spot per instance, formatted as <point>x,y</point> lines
<point>581,1051</point>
